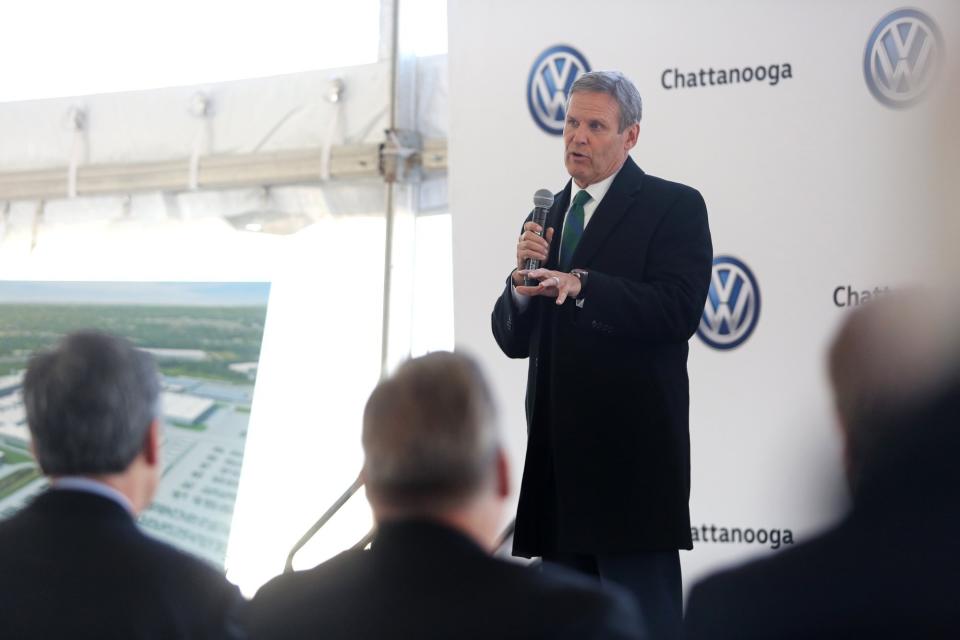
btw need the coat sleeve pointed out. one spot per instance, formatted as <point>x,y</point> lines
<point>512,327</point>
<point>667,304</point>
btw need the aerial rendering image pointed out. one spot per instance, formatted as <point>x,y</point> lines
<point>205,339</point>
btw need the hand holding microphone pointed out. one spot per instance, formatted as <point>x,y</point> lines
<point>534,244</point>
<point>530,279</point>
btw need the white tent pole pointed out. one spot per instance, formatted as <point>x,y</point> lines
<point>401,167</point>
<point>391,186</point>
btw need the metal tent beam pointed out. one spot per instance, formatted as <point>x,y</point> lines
<point>223,171</point>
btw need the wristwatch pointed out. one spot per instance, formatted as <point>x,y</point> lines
<point>583,277</point>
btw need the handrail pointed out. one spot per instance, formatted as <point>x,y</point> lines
<point>312,531</point>
<point>365,540</point>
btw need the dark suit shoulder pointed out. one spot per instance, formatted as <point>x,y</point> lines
<point>286,589</point>
<point>296,600</point>
<point>757,588</point>
<point>855,580</point>
<point>746,602</point>
<point>170,561</point>
<point>107,577</point>
<point>668,192</point>
<point>357,594</point>
<point>662,184</point>
<point>577,603</point>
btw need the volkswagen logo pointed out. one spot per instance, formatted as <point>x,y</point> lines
<point>550,80</point>
<point>733,305</point>
<point>901,57</point>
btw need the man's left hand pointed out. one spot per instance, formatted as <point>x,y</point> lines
<point>554,284</point>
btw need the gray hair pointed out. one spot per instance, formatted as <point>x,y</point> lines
<point>429,434</point>
<point>612,83</point>
<point>89,403</point>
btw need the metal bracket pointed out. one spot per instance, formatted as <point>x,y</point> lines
<point>401,156</point>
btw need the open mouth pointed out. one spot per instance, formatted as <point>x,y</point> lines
<point>579,156</point>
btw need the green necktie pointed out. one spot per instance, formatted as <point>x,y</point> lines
<point>572,229</point>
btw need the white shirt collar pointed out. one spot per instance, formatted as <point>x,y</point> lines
<point>80,483</point>
<point>597,191</point>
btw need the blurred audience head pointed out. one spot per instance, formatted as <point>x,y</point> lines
<point>92,406</point>
<point>890,360</point>
<point>431,443</point>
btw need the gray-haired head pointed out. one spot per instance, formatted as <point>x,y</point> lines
<point>617,85</point>
<point>429,435</point>
<point>90,401</point>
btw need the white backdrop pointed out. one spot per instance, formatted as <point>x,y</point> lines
<point>812,182</point>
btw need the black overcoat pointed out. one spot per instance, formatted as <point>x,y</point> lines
<point>608,457</point>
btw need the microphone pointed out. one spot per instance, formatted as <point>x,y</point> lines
<point>542,201</point>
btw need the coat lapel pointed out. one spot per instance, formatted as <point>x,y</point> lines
<point>609,213</point>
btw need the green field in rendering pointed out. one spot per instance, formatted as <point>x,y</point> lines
<point>226,334</point>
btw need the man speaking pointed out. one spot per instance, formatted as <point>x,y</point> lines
<point>627,261</point>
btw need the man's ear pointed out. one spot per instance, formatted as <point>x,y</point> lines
<point>633,134</point>
<point>503,474</point>
<point>151,444</point>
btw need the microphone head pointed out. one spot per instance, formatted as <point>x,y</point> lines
<point>543,199</point>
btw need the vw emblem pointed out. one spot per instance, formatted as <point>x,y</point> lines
<point>550,80</point>
<point>733,305</point>
<point>901,57</point>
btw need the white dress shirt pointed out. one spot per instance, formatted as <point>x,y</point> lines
<point>597,192</point>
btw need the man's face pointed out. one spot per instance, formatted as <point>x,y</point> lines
<point>593,147</point>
